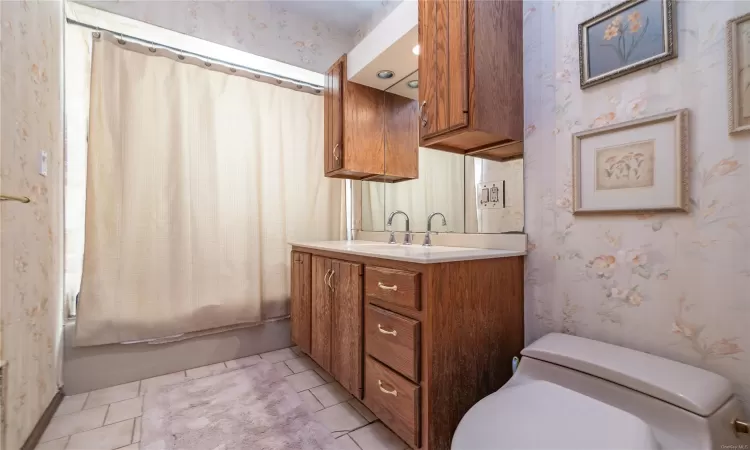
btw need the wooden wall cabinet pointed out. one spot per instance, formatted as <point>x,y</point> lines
<point>471,77</point>
<point>368,135</point>
<point>420,344</point>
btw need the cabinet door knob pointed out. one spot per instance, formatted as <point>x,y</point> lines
<point>335,153</point>
<point>386,391</point>
<point>421,114</point>
<point>384,331</point>
<point>385,287</point>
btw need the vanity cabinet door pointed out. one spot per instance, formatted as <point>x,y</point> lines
<point>333,117</point>
<point>443,66</point>
<point>347,324</point>
<point>320,344</point>
<point>301,307</point>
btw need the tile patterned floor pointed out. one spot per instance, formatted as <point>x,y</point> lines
<point>110,418</point>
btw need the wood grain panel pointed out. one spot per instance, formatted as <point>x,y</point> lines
<point>458,84</point>
<point>364,130</point>
<point>400,412</point>
<point>442,90</point>
<point>320,345</point>
<point>347,355</point>
<point>301,306</point>
<point>337,147</point>
<point>476,305</point>
<point>427,11</point>
<point>393,340</point>
<point>497,87</point>
<point>393,286</point>
<point>401,137</point>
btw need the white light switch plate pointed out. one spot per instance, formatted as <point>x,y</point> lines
<point>43,163</point>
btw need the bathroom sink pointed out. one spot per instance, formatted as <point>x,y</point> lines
<point>411,253</point>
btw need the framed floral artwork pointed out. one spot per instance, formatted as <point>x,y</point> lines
<point>628,37</point>
<point>738,70</point>
<point>632,167</point>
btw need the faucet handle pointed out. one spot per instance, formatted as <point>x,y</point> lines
<point>392,239</point>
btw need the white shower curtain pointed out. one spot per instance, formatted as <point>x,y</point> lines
<point>197,179</point>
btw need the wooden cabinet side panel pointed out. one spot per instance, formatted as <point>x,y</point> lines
<point>320,345</point>
<point>337,149</point>
<point>301,306</point>
<point>458,70</point>
<point>401,136</point>
<point>442,77</point>
<point>363,129</point>
<point>347,354</point>
<point>496,67</point>
<point>427,66</point>
<point>476,306</point>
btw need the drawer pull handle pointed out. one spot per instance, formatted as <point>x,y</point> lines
<point>386,391</point>
<point>384,331</point>
<point>385,287</point>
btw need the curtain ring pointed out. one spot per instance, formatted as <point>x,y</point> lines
<point>278,81</point>
<point>151,48</point>
<point>299,86</point>
<point>232,69</point>
<point>257,76</point>
<point>120,40</point>
<point>180,56</point>
<point>207,64</point>
<point>96,35</point>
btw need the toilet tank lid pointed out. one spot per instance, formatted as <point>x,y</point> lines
<point>696,390</point>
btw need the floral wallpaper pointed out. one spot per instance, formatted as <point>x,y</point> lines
<point>263,28</point>
<point>674,285</point>
<point>30,243</point>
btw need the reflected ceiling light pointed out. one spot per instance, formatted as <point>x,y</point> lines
<point>385,74</point>
<point>415,50</point>
<point>413,84</point>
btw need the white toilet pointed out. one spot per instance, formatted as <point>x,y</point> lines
<point>576,393</point>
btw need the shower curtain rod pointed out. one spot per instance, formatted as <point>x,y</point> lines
<point>274,76</point>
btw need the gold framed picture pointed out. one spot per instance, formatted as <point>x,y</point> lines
<point>628,37</point>
<point>738,70</point>
<point>632,167</point>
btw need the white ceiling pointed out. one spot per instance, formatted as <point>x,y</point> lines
<point>346,15</point>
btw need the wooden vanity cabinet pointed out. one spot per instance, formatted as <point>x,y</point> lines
<point>471,77</point>
<point>420,344</point>
<point>336,320</point>
<point>301,307</point>
<point>368,134</point>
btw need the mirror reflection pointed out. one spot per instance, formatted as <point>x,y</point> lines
<point>474,195</point>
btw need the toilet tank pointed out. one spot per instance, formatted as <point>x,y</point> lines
<point>687,407</point>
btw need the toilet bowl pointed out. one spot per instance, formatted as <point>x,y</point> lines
<point>575,393</point>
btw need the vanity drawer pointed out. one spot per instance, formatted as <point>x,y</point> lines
<point>393,339</point>
<point>394,399</point>
<point>393,286</point>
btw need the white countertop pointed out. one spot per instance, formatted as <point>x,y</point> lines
<point>415,253</point>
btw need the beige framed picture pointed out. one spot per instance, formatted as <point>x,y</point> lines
<point>632,167</point>
<point>738,70</point>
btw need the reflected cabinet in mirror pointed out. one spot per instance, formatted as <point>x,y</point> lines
<point>471,194</point>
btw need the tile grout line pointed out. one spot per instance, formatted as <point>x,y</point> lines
<point>347,435</point>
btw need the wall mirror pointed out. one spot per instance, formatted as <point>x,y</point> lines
<point>476,195</point>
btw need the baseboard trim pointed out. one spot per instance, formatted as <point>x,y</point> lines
<point>41,425</point>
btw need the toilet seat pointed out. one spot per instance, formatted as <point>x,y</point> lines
<point>543,415</point>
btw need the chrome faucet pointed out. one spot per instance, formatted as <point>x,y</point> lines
<point>427,239</point>
<point>407,236</point>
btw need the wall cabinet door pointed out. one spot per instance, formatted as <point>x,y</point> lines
<point>333,103</point>
<point>347,324</point>
<point>320,345</point>
<point>301,307</point>
<point>443,66</point>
